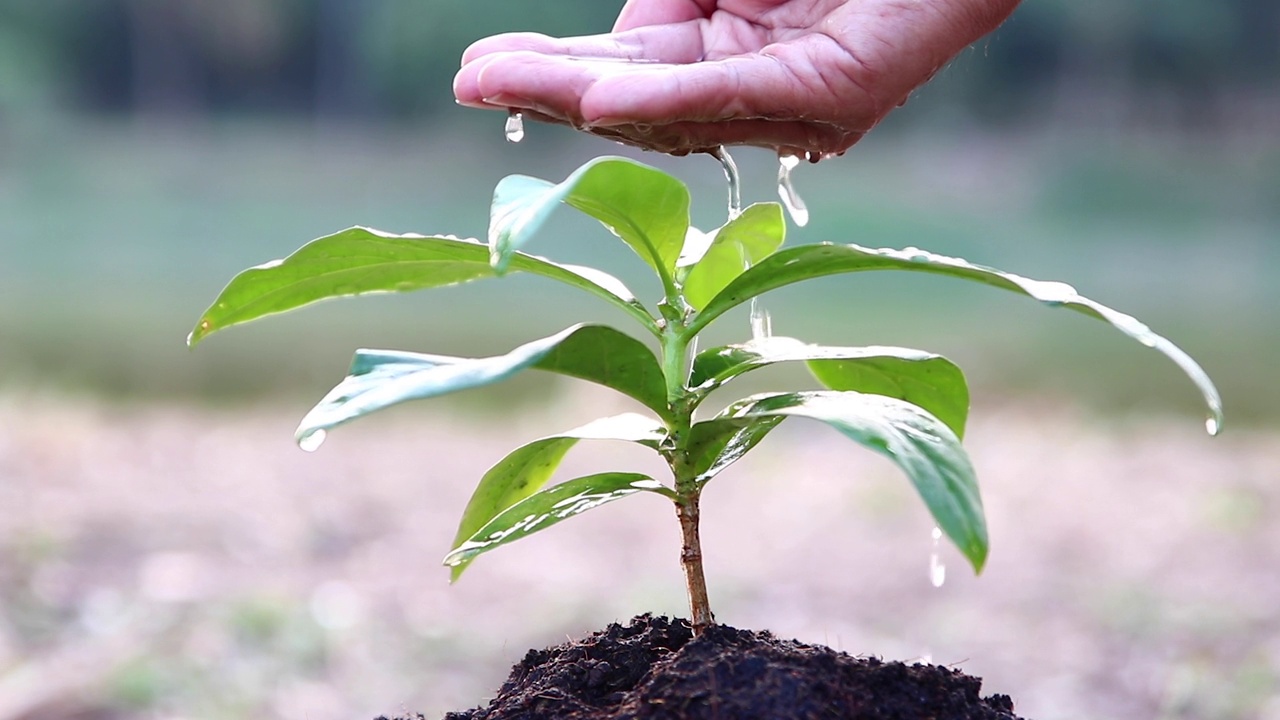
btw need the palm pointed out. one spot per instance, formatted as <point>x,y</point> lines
<point>800,76</point>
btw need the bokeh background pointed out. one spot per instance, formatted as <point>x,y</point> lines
<point>165,552</point>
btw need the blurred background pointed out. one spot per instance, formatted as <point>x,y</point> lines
<point>166,553</point>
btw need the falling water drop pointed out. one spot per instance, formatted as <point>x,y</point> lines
<point>735,185</point>
<point>761,321</point>
<point>312,440</point>
<point>790,198</point>
<point>937,569</point>
<point>515,126</point>
<point>693,353</point>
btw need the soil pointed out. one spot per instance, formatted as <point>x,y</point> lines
<point>654,668</point>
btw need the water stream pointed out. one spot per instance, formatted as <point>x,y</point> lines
<point>937,569</point>
<point>735,183</point>
<point>786,191</point>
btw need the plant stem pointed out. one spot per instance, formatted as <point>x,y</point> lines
<point>675,348</point>
<point>691,560</point>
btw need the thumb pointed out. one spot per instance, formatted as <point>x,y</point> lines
<point>642,13</point>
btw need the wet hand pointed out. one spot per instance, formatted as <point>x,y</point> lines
<point>681,76</point>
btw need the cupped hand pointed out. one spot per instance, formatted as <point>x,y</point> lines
<point>681,76</point>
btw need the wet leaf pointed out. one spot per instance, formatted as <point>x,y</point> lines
<point>796,264</point>
<point>740,243</point>
<point>360,261</point>
<point>382,378</point>
<point>527,469</point>
<point>645,207</point>
<point>548,507</point>
<point>716,444</point>
<point>921,378</point>
<point>916,441</point>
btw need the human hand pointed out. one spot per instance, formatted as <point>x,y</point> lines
<point>680,76</point>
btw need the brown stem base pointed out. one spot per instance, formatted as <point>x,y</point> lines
<point>691,561</point>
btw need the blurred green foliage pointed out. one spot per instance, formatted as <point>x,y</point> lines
<point>392,58</point>
<point>151,148</point>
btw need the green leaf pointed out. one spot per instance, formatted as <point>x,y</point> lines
<point>716,444</point>
<point>919,443</point>
<point>796,264</point>
<point>645,207</point>
<point>360,260</point>
<point>605,356</point>
<point>528,468</point>
<point>548,507</point>
<point>381,378</point>
<point>740,243</point>
<point>921,378</point>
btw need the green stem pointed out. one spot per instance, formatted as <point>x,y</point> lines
<point>675,347</point>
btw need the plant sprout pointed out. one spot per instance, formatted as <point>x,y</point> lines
<point>908,405</point>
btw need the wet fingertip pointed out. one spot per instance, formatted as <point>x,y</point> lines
<point>606,122</point>
<point>507,100</point>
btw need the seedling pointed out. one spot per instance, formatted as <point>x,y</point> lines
<point>908,405</point>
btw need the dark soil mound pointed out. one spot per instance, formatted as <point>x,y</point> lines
<point>654,668</point>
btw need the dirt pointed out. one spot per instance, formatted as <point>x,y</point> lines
<point>655,669</point>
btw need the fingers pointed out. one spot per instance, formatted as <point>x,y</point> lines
<point>815,140</point>
<point>551,84</point>
<point>586,46</point>
<point>678,43</point>
<point>797,81</point>
<point>777,99</point>
<point>513,64</point>
<point>812,140</point>
<point>554,74</point>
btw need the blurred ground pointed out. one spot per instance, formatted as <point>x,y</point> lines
<point>172,561</point>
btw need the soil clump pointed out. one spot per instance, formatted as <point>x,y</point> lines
<point>654,669</point>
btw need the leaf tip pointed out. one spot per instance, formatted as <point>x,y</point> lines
<point>456,564</point>
<point>977,556</point>
<point>202,329</point>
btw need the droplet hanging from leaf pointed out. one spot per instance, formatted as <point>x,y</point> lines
<point>311,442</point>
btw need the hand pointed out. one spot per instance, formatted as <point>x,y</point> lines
<point>681,76</point>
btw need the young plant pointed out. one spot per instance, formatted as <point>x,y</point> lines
<point>908,405</point>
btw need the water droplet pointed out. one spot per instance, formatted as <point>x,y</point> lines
<point>312,440</point>
<point>1213,425</point>
<point>693,353</point>
<point>735,184</point>
<point>515,126</point>
<point>790,198</point>
<point>937,569</point>
<point>761,321</point>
